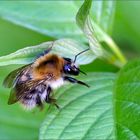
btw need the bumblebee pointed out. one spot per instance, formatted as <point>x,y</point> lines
<point>33,84</point>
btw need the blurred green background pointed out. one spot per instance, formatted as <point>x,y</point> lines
<point>14,121</point>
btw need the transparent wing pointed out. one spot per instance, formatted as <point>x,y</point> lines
<point>12,98</point>
<point>27,89</point>
<point>12,77</point>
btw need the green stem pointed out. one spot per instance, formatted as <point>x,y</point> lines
<point>119,60</point>
<point>115,49</point>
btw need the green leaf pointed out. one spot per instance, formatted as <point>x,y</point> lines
<point>96,35</point>
<point>84,23</point>
<point>85,113</point>
<point>52,18</point>
<point>126,29</point>
<point>58,24</point>
<point>63,47</point>
<point>43,18</point>
<point>83,13</point>
<point>127,102</point>
<point>102,13</point>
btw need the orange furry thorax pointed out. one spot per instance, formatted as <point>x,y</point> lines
<point>49,64</point>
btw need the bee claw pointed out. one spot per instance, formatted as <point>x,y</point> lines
<point>57,106</point>
<point>53,101</point>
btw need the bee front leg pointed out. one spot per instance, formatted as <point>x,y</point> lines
<point>50,100</point>
<point>39,102</point>
<point>48,90</point>
<point>73,80</point>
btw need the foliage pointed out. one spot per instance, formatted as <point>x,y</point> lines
<point>29,54</point>
<point>109,109</point>
<point>91,108</point>
<point>44,17</point>
<point>127,106</point>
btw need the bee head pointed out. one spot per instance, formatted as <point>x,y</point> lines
<point>70,66</point>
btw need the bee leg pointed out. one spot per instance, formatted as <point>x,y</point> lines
<point>50,100</point>
<point>53,101</point>
<point>38,102</point>
<point>73,80</point>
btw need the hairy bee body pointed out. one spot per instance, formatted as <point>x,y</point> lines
<point>32,84</point>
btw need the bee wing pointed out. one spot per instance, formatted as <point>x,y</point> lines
<point>12,77</point>
<point>12,98</point>
<point>24,89</point>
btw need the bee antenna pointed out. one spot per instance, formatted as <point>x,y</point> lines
<point>81,71</point>
<point>79,54</point>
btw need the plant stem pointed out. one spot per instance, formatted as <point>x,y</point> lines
<point>119,59</point>
<point>115,49</point>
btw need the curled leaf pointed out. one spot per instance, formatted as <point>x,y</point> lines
<point>63,47</point>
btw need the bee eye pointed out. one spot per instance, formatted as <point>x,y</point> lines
<point>67,67</point>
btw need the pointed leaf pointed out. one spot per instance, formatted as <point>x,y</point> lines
<point>95,35</point>
<point>63,47</point>
<point>85,113</point>
<point>127,102</point>
<point>102,13</point>
<point>52,18</point>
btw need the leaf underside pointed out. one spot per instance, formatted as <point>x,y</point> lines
<point>63,47</point>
